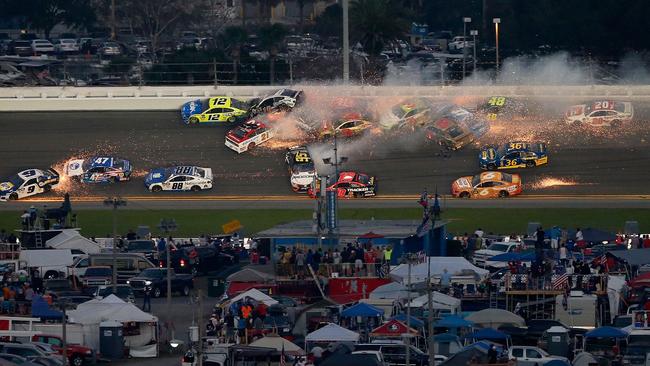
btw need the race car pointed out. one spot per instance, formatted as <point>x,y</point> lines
<point>99,169</point>
<point>499,107</point>
<point>282,100</point>
<point>513,155</point>
<point>217,109</point>
<point>179,178</point>
<point>349,184</point>
<point>412,113</point>
<point>247,136</point>
<point>456,128</point>
<point>28,183</point>
<point>600,113</point>
<point>487,185</point>
<point>301,168</point>
<point>350,125</point>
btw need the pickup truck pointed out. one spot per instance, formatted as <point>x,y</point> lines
<point>202,261</point>
<point>481,256</point>
<point>156,279</point>
<point>77,354</point>
<point>532,356</point>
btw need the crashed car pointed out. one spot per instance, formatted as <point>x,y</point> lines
<point>456,128</point>
<point>217,109</point>
<point>600,113</point>
<point>27,183</point>
<point>349,184</point>
<point>301,168</point>
<point>248,136</point>
<point>282,100</point>
<point>179,178</point>
<point>513,155</point>
<point>500,107</point>
<point>410,113</point>
<point>99,169</point>
<point>487,185</point>
<point>349,125</point>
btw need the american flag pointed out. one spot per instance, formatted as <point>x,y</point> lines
<point>424,199</point>
<point>561,281</point>
<point>283,359</point>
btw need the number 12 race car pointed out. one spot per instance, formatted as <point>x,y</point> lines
<point>217,109</point>
<point>487,185</point>
<point>349,184</point>
<point>600,113</point>
<point>179,178</point>
<point>28,183</point>
<point>513,155</point>
<point>99,169</point>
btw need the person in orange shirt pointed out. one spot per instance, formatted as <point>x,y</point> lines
<point>6,291</point>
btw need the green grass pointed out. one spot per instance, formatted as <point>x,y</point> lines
<point>195,222</point>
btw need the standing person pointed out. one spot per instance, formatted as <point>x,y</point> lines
<point>492,355</point>
<point>579,236</point>
<point>563,255</point>
<point>479,232</point>
<point>146,305</point>
<point>300,264</point>
<point>445,280</point>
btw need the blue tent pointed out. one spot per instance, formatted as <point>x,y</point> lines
<point>489,334</point>
<point>415,322</point>
<point>363,310</point>
<point>453,321</point>
<point>41,309</point>
<point>606,332</point>
<point>514,256</point>
<point>557,363</point>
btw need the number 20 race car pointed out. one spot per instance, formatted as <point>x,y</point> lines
<point>28,183</point>
<point>217,109</point>
<point>179,178</point>
<point>600,113</point>
<point>99,169</point>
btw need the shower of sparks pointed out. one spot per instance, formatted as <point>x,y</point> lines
<point>550,182</point>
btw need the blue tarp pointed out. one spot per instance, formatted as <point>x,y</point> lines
<point>415,322</point>
<point>606,332</point>
<point>453,321</point>
<point>41,309</point>
<point>557,363</point>
<point>489,334</point>
<point>513,256</point>
<point>362,309</point>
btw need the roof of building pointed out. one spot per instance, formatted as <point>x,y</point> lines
<point>349,228</point>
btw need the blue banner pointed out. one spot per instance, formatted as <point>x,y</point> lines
<point>331,210</point>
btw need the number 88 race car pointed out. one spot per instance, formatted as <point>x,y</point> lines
<point>487,185</point>
<point>179,178</point>
<point>28,183</point>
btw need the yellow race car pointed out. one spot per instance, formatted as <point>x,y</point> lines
<point>213,110</point>
<point>349,125</point>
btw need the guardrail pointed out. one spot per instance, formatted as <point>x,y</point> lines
<point>31,99</point>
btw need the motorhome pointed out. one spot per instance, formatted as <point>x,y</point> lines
<point>578,310</point>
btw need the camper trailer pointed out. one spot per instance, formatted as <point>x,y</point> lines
<point>578,310</point>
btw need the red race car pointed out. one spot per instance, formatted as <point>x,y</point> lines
<point>349,184</point>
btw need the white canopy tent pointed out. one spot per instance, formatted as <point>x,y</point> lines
<point>91,313</point>
<point>256,295</point>
<point>419,272</point>
<point>440,302</point>
<point>332,333</point>
<point>71,239</point>
<point>494,318</point>
<point>279,344</point>
<point>393,291</point>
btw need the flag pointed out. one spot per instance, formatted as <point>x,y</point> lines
<point>283,359</point>
<point>424,199</point>
<point>425,226</point>
<point>561,281</point>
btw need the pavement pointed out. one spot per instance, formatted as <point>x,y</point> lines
<point>584,164</point>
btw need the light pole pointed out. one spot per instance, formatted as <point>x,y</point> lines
<point>465,21</point>
<point>114,202</point>
<point>410,258</point>
<point>335,164</point>
<point>474,33</point>
<point>496,22</point>
<point>64,332</point>
<point>113,26</point>
<point>346,42</point>
<point>168,226</point>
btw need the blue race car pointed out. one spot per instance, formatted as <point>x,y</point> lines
<point>513,155</point>
<point>99,169</point>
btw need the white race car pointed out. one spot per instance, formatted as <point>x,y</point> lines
<point>28,183</point>
<point>301,167</point>
<point>283,99</point>
<point>179,178</point>
<point>248,135</point>
<point>600,113</point>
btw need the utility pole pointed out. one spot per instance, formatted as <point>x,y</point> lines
<point>346,42</point>
<point>496,22</point>
<point>113,26</point>
<point>64,333</point>
<point>336,164</point>
<point>474,33</point>
<point>114,202</point>
<point>168,225</point>
<point>408,312</point>
<point>465,21</point>
<point>199,350</point>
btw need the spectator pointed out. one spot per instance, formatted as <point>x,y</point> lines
<point>25,218</point>
<point>445,279</point>
<point>563,255</point>
<point>636,242</point>
<point>318,256</point>
<point>479,232</point>
<point>146,304</point>
<point>579,236</point>
<point>646,241</point>
<point>130,235</point>
<point>300,264</point>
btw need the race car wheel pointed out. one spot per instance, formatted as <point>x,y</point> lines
<point>116,180</point>
<point>194,120</point>
<point>232,119</point>
<point>156,188</point>
<point>47,188</point>
<point>530,164</point>
<point>491,167</point>
<point>463,195</point>
<point>503,194</point>
<point>616,123</point>
<point>251,146</point>
<point>13,196</point>
<point>196,188</point>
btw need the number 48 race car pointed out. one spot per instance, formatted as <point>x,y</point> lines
<point>28,183</point>
<point>179,178</point>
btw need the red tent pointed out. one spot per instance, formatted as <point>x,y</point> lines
<point>392,329</point>
<point>370,235</point>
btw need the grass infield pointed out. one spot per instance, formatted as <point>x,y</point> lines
<point>98,223</point>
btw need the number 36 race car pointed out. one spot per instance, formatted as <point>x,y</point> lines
<point>513,155</point>
<point>179,178</point>
<point>218,109</point>
<point>28,183</point>
<point>99,169</point>
<point>487,185</point>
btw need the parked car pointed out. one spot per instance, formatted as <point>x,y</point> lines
<point>31,352</point>
<point>98,276</point>
<point>110,49</point>
<point>20,48</point>
<point>197,260</point>
<point>66,46</point>
<point>42,46</point>
<point>59,287</point>
<point>128,264</point>
<point>145,247</point>
<point>17,360</point>
<point>156,279</point>
<point>481,257</point>
<point>532,356</point>
<point>124,292</point>
<point>395,352</point>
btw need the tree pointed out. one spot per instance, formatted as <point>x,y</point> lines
<point>377,22</point>
<point>232,39</point>
<point>328,24</point>
<point>270,38</point>
<point>43,15</point>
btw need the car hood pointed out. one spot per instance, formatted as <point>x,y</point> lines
<point>302,179</point>
<point>190,108</point>
<point>388,120</point>
<point>6,187</point>
<point>155,176</point>
<point>463,182</point>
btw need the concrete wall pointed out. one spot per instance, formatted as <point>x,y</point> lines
<point>26,99</point>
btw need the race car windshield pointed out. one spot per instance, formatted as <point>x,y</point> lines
<point>239,133</point>
<point>476,180</point>
<point>16,180</point>
<point>288,93</point>
<point>454,132</point>
<point>303,168</point>
<point>238,104</point>
<point>362,178</point>
<point>200,172</point>
<point>506,177</point>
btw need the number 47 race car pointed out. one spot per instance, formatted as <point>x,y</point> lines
<point>179,178</point>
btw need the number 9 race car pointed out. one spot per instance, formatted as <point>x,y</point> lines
<point>179,178</point>
<point>99,169</point>
<point>600,113</point>
<point>28,183</point>
<point>487,185</point>
<point>217,109</point>
<point>513,155</point>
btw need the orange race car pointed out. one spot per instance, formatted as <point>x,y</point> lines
<point>487,185</point>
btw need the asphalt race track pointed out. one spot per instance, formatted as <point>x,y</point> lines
<point>583,162</point>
